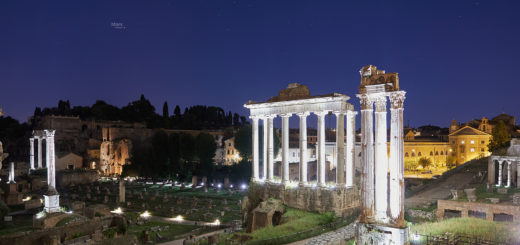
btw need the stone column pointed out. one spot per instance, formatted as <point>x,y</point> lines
<point>367,159</point>
<point>340,148</point>
<point>396,164</point>
<point>31,153</point>
<point>321,147</point>
<point>50,158</point>
<point>11,173</point>
<point>508,173</point>
<point>122,190</point>
<point>40,152</point>
<point>303,148</point>
<point>285,148</point>
<point>351,140</point>
<point>264,153</point>
<point>270,146</point>
<point>255,148</point>
<point>500,163</point>
<point>380,159</point>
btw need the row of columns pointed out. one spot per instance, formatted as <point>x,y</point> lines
<point>382,183</point>
<point>31,151</point>
<point>342,178</point>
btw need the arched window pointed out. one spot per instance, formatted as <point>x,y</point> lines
<point>419,154</point>
<point>442,153</point>
<point>431,153</point>
<point>406,154</point>
<point>436,153</point>
<point>413,154</point>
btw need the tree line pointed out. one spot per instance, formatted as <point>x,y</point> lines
<point>195,117</point>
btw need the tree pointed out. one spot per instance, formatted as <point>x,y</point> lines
<point>425,162</point>
<point>177,112</point>
<point>159,158</point>
<point>236,120</point>
<point>501,137</point>
<point>187,147</point>
<point>165,112</point>
<point>206,147</point>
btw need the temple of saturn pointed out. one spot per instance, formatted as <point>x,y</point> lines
<point>51,197</point>
<point>508,167</point>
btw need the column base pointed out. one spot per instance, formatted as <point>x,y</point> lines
<point>377,234</point>
<point>52,203</point>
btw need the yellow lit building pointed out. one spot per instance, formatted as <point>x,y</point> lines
<point>232,156</point>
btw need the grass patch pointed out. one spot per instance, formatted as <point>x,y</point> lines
<point>20,223</point>
<point>473,227</point>
<point>173,230</point>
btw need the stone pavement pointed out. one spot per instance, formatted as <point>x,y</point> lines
<point>331,238</point>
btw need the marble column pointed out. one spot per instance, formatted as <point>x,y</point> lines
<point>367,159</point>
<point>321,147</point>
<point>270,148</point>
<point>11,173</point>
<point>500,163</point>
<point>31,153</point>
<point>303,148</point>
<point>508,173</point>
<point>380,159</point>
<point>340,149</point>
<point>255,148</point>
<point>351,140</point>
<point>39,152</point>
<point>264,145</point>
<point>285,148</point>
<point>396,164</point>
<point>50,158</point>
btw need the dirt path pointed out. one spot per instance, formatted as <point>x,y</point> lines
<point>439,190</point>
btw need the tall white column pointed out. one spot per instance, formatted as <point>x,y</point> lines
<point>500,163</point>
<point>508,173</point>
<point>380,159</point>
<point>255,148</point>
<point>340,148</point>
<point>50,158</point>
<point>351,140</point>
<point>367,159</point>
<point>285,148</point>
<point>264,165</point>
<point>303,148</point>
<point>270,150</point>
<point>321,147</point>
<point>11,173</point>
<point>396,164</point>
<point>40,152</point>
<point>31,153</point>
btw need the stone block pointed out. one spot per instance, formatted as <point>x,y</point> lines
<point>516,199</point>
<point>494,200</point>
<point>8,218</point>
<point>456,194</point>
<point>471,194</point>
<point>502,190</point>
<point>33,203</point>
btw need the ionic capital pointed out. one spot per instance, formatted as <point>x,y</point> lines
<point>286,115</point>
<point>321,113</point>
<point>397,99</point>
<point>303,114</point>
<point>255,117</point>
<point>31,139</point>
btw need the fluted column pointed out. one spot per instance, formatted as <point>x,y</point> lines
<point>396,164</point>
<point>500,163</point>
<point>340,148</point>
<point>264,153</point>
<point>11,173</point>
<point>270,146</point>
<point>367,159</point>
<point>50,158</point>
<point>351,140</point>
<point>303,148</point>
<point>40,152</point>
<point>380,159</point>
<point>31,153</point>
<point>321,147</point>
<point>255,148</point>
<point>508,173</point>
<point>285,148</point>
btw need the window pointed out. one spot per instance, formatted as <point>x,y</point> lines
<point>228,152</point>
<point>482,149</point>
<point>482,142</point>
<point>413,154</point>
<point>436,153</point>
<point>405,154</point>
<point>293,154</point>
<point>419,154</point>
<point>229,144</point>
<point>442,153</point>
<point>70,166</point>
<point>472,142</point>
<point>462,141</point>
<point>472,149</point>
<point>431,153</point>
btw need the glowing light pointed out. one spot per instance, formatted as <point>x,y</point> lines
<point>243,186</point>
<point>41,200</point>
<point>26,199</point>
<point>40,214</point>
<point>219,186</point>
<point>217,222</point>
<point>231,186</point>
<point>69,212</point>
<point>202,184</point>
<point>117,211</point>
<point>146,214</point>
<point>178,218</point>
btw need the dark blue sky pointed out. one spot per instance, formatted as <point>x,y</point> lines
<point>456,59</point>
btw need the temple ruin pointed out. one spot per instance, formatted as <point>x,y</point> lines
<point>508,167</point>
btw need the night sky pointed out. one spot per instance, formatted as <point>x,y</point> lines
<point>456,59</point>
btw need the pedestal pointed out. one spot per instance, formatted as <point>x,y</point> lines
<point>52,203</point>
<point>376,234</point>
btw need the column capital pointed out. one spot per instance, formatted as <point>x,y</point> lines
<point>337,113</point>
<point>397,99</point>
<point>254,117</point>
<point>270,116</point>
<point>303,114</point>
<point>31,139</point>
<point>286,115</point>
<point>366,101</point>
<point>49,132</point>
<point>380,102</point>
<point>321,113</point>
<point>352,112</point>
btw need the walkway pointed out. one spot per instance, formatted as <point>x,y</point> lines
<point>440,190</point>
<point>333,237</point>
